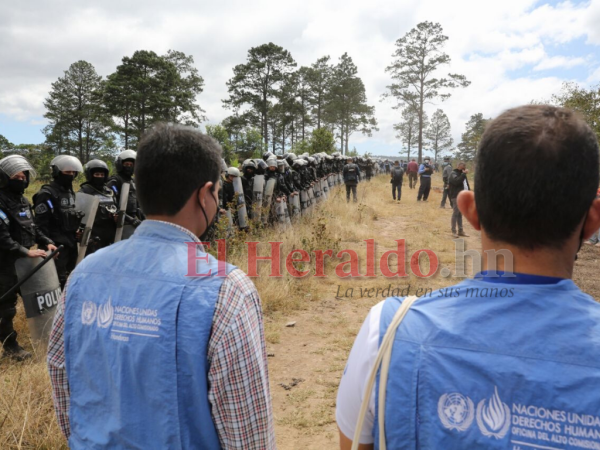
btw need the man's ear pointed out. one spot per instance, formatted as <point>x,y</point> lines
<point>592,223</point>
<point>466,205</point>
<point>204,191</point>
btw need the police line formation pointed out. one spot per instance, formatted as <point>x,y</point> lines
<point>271,191</point>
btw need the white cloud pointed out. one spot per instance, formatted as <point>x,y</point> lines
<point>559,62</point>
<point>502,47</point>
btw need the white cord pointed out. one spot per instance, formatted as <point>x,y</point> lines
<point>383,358</point>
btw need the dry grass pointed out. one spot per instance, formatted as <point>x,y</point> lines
<point>317,347</point>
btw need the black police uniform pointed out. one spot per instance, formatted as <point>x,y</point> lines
<point>351,179</point>
<point>57,217</point>
<point>105,226</point>
<point>133,213</point>
<point>18,233</point>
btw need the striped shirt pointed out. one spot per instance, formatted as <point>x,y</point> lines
<point>237,362</point>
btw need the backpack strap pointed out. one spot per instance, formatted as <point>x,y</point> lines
<point>384,356</point>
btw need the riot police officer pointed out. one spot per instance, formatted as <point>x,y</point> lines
<point>18,233</point>
<point>56,214</point>
<point>105,225</point>
<point>124,165</point>
<point>248,172</point>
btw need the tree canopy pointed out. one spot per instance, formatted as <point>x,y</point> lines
<point>414,71</point>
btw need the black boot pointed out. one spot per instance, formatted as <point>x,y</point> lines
<point>14,351</point>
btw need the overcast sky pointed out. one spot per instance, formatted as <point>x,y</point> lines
<point>513,51</point>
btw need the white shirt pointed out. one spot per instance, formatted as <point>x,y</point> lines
<point>356,375</point>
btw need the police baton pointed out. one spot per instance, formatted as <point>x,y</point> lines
<point>33,271</point>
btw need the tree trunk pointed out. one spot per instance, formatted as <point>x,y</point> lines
<point>347,137</point>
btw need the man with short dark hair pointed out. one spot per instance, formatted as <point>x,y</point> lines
<point>156,344</point>
<point>411,169</point>
<point>489,362</point>
<point>456,184</point>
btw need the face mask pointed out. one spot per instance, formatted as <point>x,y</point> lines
<point>17,186</point>
<point>65,181</point>
<point>127,171</point>
<point>98,182</point>
<point>204,236</point>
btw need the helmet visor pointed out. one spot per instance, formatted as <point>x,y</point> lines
<point>13,164</point>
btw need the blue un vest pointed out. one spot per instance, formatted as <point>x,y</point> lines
<point>136,337</point>
<point>495,366</point>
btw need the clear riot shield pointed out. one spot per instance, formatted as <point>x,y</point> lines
<point>229,222</point>
<point>268,199</point>
<point>88,204</point>
<point>286,207</point>
<point>303,201</point>
<point>311,199</point>
<point>280,210</point>
<point>40,295</point>
<point>122,209</point>
<point>317,191</point>
<point>325,188</point>
<point>241,202</point>
<point>295,204</point>
<point>258,187</point>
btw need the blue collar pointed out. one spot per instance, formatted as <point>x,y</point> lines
<point>500,276</point>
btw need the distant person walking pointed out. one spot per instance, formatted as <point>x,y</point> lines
<point>351,175</point>
<point>397,176</point>
<point>458,182</point>
<point>445,177</point>
<point>412,170</point>
<point>425,170</point>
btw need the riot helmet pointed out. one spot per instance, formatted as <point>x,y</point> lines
<point>65,163</point>
<point>62,164</point>
<point>233,172</point>
<point>91,168</point>
<point>280,166</point>
<point>11,166</point>
<point>249,168</point>
<point>272,162</point>
<point>290,158</point>
<point>261,166</point>
<point>126,155</point>
<point>267,155</point>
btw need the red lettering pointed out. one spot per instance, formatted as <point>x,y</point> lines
<point>400,256</point>
<point>275,259</point>
<point>193,258</point>
<point>319,261</point>
<point>289,263</point>
<point>433,263</point>
<point>370,258</point>
<point>222,257</point>
<point>353,261</point>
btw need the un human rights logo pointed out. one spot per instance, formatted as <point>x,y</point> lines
<point>88,313</point>
<point>456,412</point>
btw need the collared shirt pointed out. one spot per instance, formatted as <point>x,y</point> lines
<point>237,366</point>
